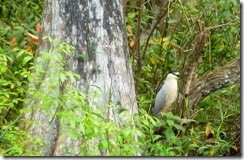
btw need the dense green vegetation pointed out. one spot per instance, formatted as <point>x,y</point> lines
<point>214,131</point>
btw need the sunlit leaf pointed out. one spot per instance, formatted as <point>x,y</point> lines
<point>211,152</point>
<point>152,60</point>
<point>62,77</point>
<point>232,86</point>
<point>234,147</point>
<point>208,130</point>
<point>194,142</point>
<point>165,39</point>
<point>72,124</point>
<point>103,144</point>
<point>165,45</point>
<point>162,59</point>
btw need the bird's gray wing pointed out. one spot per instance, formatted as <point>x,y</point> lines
<point>159,101</point>
<point>160,86</point>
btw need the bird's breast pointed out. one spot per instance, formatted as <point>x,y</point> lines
<point>171,88</point>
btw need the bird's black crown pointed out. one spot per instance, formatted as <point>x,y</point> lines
<point>176,73</point>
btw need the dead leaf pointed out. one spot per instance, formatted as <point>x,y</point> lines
<point>13,40</point>
<point>33,38</point>
<point>234,147</point>
<point>129,34</point>
<point>132,43</point>
<point>29,49</point>
<point>38,27</point>
<point>129,27</point>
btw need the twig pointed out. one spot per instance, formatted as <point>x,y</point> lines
<point>195,114</point>
<point>137,45</point>
<point>220,25</point>
<point>153,29</point>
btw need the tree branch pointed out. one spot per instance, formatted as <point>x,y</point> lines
<point>137,44</point>
<point>213,81</point>
<point>190,67</point>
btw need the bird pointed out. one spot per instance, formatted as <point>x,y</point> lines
<point>167,93</point>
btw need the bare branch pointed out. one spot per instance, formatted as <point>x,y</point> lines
<point>220,25</point>
<point>137,44</point>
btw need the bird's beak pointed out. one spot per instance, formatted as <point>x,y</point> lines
<point>177,75</point>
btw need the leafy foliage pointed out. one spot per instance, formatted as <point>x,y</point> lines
<point>16,57</point>
<point>166,38</point>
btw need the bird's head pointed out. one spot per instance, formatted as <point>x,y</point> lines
<point>173,74</point>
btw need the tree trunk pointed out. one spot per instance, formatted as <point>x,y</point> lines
<point>97,31</point>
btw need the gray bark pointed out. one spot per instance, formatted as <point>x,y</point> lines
<point>97,30</point>
<point>220,78</point>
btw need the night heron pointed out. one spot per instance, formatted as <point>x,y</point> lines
<point>167,94</point>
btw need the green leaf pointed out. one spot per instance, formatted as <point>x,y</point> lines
<point>156,137</point>
<point>202,149</point>
<point>62,120</point>
<point>170,122</point>
<point>221,115</point>
<point>127,132</point>
<point>82,128</point>
<point>62,77</point>
<point>169,115</point>
<point>20,53</point>
<point>72,124</point>
<point>169,135</point>
<point>193,145</point>
<point>145,122</point>
<point>179,127</point>
<point>235,2</point>
<point>5,31</point>
<point>170,21</point>
<point>103,144</point>
<point>26,59</point>
<point>138,132</point>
